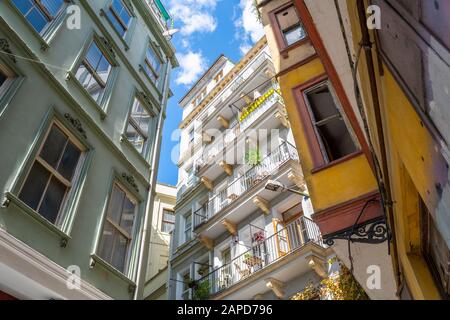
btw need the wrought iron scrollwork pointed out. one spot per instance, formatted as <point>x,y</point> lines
<point>374,231</point>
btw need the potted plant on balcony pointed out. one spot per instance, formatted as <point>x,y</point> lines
<point>259,237</point>
<point>253,157</point>
<point>203,270</point>
<point>192,284</point>
<point>201,292</point>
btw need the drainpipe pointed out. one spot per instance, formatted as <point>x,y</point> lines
<point>385,185</point>
<point>144,248</point>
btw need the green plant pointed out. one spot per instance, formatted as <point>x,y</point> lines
<point>340,285</point>
<point>201,292</point>
<point>252,157</point>
<point>248,255</point>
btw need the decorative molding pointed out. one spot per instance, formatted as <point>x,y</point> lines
<point>130,180</point>
<point>276,286</point>
<point>76,123</point>
<point>207,242</point>
<point>374,231</point>
<point>4,46</point>
<point>318,265</point>
<point>108,46</point>
<point>262,203</point>
<point>226,167</point>
<point>230,226</point>
<point>224,122</point>
<point>208,183</point>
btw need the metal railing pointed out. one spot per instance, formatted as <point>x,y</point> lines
<point>236,129</point>
<point>264,253</point>
<point>268,166</point>
<point>161,14</point>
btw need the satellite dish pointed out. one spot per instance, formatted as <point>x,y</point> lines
<point>170,32</point>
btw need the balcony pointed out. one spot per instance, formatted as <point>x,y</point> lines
<point>268,114</point>
<point>161,14</point>
<point>247,193</point>
<point>276,251</point>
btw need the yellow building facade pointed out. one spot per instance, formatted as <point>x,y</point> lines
<point>392,184</point>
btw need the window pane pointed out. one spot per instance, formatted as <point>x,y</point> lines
<point>53,146</point>
<point>93,56</point>
<point>294,35</point>
<point>153,60</point>
<point>32,13</point>
<point>168,216</point>
<point>136,139</point>
<point>106,243</point>
<point>336,139</point>
<point>116,24</point>
<point>104,69</point>
<point>69,161</point>
<point>116,204</point>
<point>167,227</point>
<point>53,200</point>
<point>34,186</point>
<point>127,220</point>
<point>140,116</point>
<point>52,6</point>
<point>120,252</point>
<point>322,104</point>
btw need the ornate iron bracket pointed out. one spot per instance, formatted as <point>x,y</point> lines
<point>374,231</point>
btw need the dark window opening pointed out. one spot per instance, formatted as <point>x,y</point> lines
<point>334,136</point>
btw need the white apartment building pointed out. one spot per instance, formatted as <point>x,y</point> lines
<point>234,238</point>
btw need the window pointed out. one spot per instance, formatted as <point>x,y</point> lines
<point>116,239</point>
<point>138,127</point>
<point>289,26</point>
<point>334,137</point>
<point>152,64</point>
<point>52,175</point>
<point>187,227</point>
<point>218,77</point>
<point>185,290</point>
<point>119,16</point>
<point>168,221</point>
<point>435,251</point>
<point>39,13</point>
<point>94,72</point>
<point>191,135</point>
<point>200,97</point>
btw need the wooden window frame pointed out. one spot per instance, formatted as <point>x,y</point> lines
<point>53,172</point>
<point>318,158</point>
<point>118,228</point>
<point>185,229</point>
<point>90,68</point>
<point>119,19</point>
<point>283,47</point>
<point>148,64</point>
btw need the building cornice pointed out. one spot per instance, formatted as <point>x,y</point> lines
<point>225,81</point>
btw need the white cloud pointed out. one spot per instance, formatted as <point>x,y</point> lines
<point>249,29</point>
<point>194,15</point>
<point>192,65</point>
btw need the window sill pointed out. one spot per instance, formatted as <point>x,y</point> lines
<point>336,162</point>
<point>71,77</point>
<point>11,198</point>
<point>95,259</point>
<point>125,140</point>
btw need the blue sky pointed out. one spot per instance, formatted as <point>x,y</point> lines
<point>207,29</point>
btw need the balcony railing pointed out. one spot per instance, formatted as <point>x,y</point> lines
<point>161,13</point>
<point>263,253</point>
<point>268,166</point>
<point>237,127</point>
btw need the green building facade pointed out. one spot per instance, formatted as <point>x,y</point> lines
<point>83,92</point>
